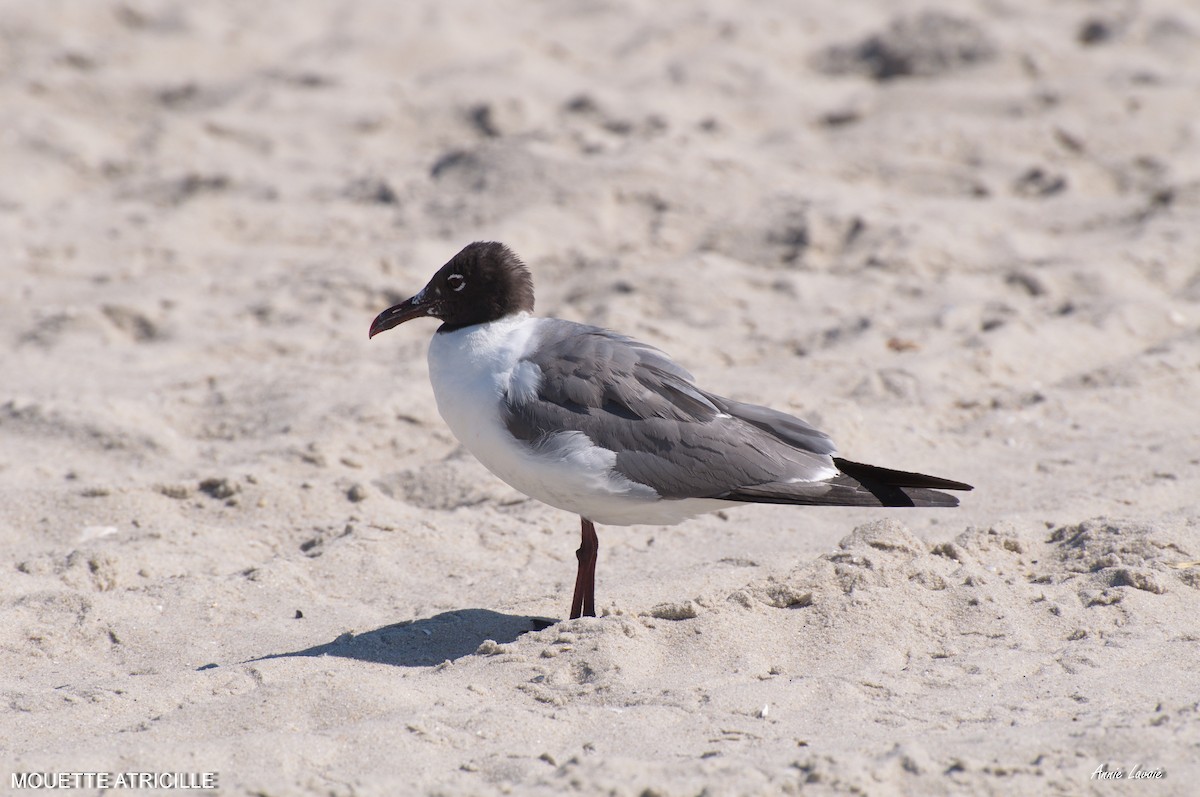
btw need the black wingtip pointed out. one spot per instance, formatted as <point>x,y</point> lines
<point>897,478</point>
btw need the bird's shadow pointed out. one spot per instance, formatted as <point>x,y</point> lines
<point>424,642</point>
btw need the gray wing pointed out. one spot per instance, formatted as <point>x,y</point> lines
<point>667,433</point>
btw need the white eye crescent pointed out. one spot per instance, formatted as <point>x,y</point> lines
<point>456,282</point>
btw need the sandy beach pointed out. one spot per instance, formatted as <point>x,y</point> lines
<point>961,238</point>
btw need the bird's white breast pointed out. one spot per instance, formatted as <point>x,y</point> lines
<point>473,370</point>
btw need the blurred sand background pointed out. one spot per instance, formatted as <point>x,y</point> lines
<point>961,237</point>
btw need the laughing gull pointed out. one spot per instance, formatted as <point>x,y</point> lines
<point>596,423</point>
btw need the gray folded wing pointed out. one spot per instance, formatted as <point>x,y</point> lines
<point>666,432</point>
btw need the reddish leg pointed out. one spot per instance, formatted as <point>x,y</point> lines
<point>584,602</point>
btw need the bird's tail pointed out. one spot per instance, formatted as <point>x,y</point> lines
<point>857,485</point>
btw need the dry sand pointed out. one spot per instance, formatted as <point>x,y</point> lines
<point>962,237</point>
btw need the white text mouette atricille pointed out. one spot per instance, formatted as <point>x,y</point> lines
<point>611,429</point>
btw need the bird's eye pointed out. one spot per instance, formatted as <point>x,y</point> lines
<point>456,282</point>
